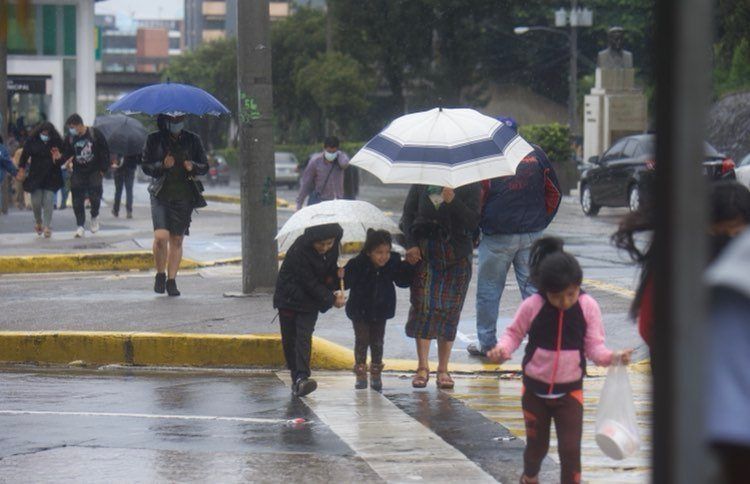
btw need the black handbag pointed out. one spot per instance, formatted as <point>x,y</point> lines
<point>198,200</point>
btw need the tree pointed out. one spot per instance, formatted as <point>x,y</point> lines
<point>335,82</point>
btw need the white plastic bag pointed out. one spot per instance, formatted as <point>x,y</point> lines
<point>616,426</point>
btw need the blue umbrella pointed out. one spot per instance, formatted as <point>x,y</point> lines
<point>169,98</point>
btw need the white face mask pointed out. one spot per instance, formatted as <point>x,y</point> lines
<point>331,156</point>
<point>72,131</point>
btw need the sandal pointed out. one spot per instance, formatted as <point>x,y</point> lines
<point>444,381</point>
<point>421,377</point>
<point>38,229</point>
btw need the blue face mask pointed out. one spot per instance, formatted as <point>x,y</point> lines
<point>44,138</point>
<point>72,131</point>
<point>331,156</point>
<point>175,128</point>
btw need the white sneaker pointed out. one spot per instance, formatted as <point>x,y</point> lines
<point>94,225</point>
<point>79,232</point>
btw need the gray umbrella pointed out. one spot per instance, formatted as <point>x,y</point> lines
<point>125,135</point>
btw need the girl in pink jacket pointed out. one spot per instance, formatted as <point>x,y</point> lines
<point>564,325</point>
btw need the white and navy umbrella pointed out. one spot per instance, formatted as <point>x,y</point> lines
<point>443,147</point>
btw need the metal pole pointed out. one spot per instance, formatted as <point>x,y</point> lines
<point>256,154</point>
<point>683,69</point>
<point>3,72</point>
<point>573,82</point>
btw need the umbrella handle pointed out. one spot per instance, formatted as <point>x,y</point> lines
<point>341,285</point>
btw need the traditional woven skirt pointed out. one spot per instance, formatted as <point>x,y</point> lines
<point>438,292</point>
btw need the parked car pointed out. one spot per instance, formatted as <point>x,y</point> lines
<point>287,169</point>
<point>743,171</point>
<point>619,177</point>
<point>218,170</point>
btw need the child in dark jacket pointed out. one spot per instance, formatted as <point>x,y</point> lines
<point>372,300</point>
<point>307,284</point>
<point>564,325</point>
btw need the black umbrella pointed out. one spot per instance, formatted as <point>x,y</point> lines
<point>125,136</point>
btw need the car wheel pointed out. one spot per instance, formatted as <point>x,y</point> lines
<point>634,198</point>
<point>587,202</point>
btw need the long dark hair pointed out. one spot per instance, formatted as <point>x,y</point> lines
<point>54,136</point>
<point>376,238</point>
<point>625,239</point>
<point>553,269</point>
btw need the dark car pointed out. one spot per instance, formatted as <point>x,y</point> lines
<point>619,177</point>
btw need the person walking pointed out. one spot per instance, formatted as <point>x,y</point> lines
<point>307,284</point>
<point>42,153</point>
<point>323,179</point>
<point>370,277</point>
<point>564,325</point>
<point>516,210</point>
<point>172,156</point>
<point>438,224</point>
<point>124,174</point>
<point>6,165</point>
<point>87,152</point>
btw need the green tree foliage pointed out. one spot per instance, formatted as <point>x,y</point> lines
<point>335,82</point>
<point>553,138</point>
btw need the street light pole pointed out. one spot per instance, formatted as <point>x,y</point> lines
<point>573,82</point>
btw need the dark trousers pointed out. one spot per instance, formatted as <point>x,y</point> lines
<point>368,334</point>
<point>124,177</point>
<point>567,412</point>
<point>296,339</point>
<point>82,186</point>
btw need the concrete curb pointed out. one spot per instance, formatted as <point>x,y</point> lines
<point>90,348</point>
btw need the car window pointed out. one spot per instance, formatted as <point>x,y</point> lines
<point>615,151</point>
<point>630,149</point>
<point>284,158</point>
<point>745,161</point>
<point>710,151</point>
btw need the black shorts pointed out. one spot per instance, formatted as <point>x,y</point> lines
<point>172,215</point>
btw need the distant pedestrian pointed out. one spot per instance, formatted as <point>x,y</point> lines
<point>323,179</point>
<point>372,300</point>
<point>172,156</point>
<point>64,189</point>
<point>6,165</point>
<point>438,224</point>
<point>564,326</point>
<point>307,284</point>
<point>87,152</point>
<point>516,210</point>
<point>124,168</point>
<point>21,199</point>
<point>42,153</point>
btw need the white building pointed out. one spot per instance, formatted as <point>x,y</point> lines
<point>51,62</point>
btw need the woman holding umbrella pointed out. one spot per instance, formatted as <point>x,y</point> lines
<point>438,224</point>
<point>172,156</point>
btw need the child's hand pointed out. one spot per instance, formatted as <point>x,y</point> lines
<point>497,355</point>
<point>339,299</point>
<point>622,357</point>
<point>413,255</point>
<point>341,272</point>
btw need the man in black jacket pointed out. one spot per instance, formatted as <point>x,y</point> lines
<point>87,151</point>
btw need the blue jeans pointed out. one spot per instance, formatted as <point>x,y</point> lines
<point>496,253</point>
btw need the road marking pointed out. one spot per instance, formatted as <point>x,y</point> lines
<point>148,415</point>
<point>611,288</point>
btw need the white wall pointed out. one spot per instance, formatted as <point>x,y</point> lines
<point>43,66</point>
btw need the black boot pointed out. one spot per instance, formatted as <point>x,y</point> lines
<point>376,383</point>
<point>172,287</point>
<point>160,282</point>
<point>360,371</point>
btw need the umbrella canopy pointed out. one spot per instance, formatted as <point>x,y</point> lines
<point>354,216</point>
<point>443,147</point>
<point>169,98</point>
<point>125,136</point>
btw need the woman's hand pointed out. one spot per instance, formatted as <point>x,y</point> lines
<point>169,161</point>
<point>448,195</point>
<point>188,165</point>
<point>413,255</point>
<point>622,357</point>
<point>55,152</point>
<point>497,355</point>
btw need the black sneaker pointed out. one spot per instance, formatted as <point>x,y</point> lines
<point>305,386</point>
<point>160,282</point>
<point>172,287</point>
<point>475,351</point>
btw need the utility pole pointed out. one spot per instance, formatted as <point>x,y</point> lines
<point>256,154</point>
<point>573,83</point>
<point>3,70</point>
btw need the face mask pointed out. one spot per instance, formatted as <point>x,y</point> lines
<point>44,137</point>
<point>176,127</point>
<point>331,156</point>
<point>72,131</point>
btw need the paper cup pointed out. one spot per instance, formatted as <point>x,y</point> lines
<point>615,440</point>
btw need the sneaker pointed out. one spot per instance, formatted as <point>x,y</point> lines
<point>38,229</point>
<point>172,287</point>
<point>305,386</point>
<point>79,232</point>
<point>160,283</point>
<point>474,350</point>
<point>115,214</point>
<point>47,232</point>
<point>130,214</point>
<point>94,227</point>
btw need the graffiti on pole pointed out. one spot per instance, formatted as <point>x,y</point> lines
<point>248,109</point>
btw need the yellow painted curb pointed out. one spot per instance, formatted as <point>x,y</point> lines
<point>189,349</point>
<point>109,261</point>
<point>280,202</point>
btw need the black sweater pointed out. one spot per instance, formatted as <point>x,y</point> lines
<point>44,173</point>
<point>372,296</point>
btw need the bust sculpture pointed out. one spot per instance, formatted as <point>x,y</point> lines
<point>614,56</point>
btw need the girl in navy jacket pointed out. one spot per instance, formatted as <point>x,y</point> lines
<point>372,300</point>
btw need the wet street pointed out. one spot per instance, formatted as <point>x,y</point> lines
<point>136,425</point>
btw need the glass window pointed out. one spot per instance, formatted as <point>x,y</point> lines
<point>630,149</point>
<point>615,151</point>
<point>49,34</point>
<point>69,30</point>
<point>21,38</point>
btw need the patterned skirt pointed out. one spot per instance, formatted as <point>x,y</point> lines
<point>438,292</point>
